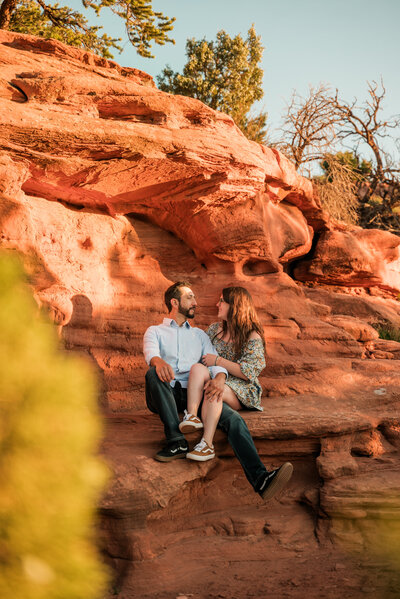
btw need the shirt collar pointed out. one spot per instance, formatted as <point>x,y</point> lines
<point>172,323</point>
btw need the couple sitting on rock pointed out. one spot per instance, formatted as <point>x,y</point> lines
<point>215,371</point>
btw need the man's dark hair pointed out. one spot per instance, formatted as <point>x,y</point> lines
<point>174,292</point>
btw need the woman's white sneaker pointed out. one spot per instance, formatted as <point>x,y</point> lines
<point>190,423</point>
<point>202,452</point>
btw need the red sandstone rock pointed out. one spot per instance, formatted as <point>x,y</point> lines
<point>108,142</point>
<point>358,303</point>
<point>384,345</point>
<point>352,502</point>
<point>384,349</point>
<point>110,190</point>
<point>361,331</point>
<point>361,257</point>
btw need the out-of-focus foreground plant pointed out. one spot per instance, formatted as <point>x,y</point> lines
<point>50,477</point>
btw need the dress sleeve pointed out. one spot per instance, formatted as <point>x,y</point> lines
<point>252,360</point>
<point>211,331</point>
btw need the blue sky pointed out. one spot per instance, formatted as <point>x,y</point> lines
<point>341,42</point>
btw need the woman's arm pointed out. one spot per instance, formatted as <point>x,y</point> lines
<point>232,367</point>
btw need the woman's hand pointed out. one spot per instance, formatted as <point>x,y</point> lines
<point>209,359</point>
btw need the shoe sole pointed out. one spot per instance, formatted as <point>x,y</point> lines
<point>279,482</point>
<point>199,458</point>
<point>189,428</point>
<point>178,456</point>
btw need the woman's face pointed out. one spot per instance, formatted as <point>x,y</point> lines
<point>223,308</point>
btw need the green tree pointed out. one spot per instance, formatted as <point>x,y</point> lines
<point>143,25</point>
<point>224,74</point>
<point>50,475</point>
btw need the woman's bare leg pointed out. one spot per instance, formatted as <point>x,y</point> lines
<point>230,397</point>
<point>211,411</point>
<point>198,376</point>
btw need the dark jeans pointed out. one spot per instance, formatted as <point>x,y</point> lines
<point>166,401</point>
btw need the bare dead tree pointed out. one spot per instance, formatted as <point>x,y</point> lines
<point>319,125</point>
<point>309,126</point>
<point>364,124</point>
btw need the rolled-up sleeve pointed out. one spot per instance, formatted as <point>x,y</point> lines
<point>208,348</point>
<point>151,344</point>
<point>252,360</point>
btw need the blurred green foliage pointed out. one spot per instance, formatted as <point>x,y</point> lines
<point>50,476</point>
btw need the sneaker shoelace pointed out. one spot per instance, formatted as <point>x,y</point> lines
<point>187,415</point>
<point>202,445</point>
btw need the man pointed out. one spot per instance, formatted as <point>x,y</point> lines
<point>171,349</point>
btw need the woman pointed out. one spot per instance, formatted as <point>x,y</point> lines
<point>239,341</point>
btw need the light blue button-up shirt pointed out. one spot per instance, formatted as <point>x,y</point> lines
<point>181,347</point>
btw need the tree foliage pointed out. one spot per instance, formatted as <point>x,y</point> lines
<point>65,25</point>
<point>50,475</point>
<point>224,74</point>
<point>143,25</point>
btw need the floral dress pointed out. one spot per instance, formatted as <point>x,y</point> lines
<point>252,362</point>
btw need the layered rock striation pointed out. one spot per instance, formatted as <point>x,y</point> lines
<point>110,190</point>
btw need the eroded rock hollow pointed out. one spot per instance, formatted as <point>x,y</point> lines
<point>111,190</point>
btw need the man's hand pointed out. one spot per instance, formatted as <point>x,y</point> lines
<point>163,370</point>
<point>214,388</point>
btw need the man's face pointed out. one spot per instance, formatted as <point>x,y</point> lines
<point>187,303</point>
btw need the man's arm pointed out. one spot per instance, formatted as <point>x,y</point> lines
<point>151,351</point>
<point>208,348</point>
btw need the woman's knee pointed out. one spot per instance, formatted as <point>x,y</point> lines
<point>199,371</point>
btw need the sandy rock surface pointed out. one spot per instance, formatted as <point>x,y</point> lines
<point>111,190</point>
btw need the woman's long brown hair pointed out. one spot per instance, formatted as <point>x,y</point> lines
<point>242,318</point>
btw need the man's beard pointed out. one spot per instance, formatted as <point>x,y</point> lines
<point>186,312</point>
